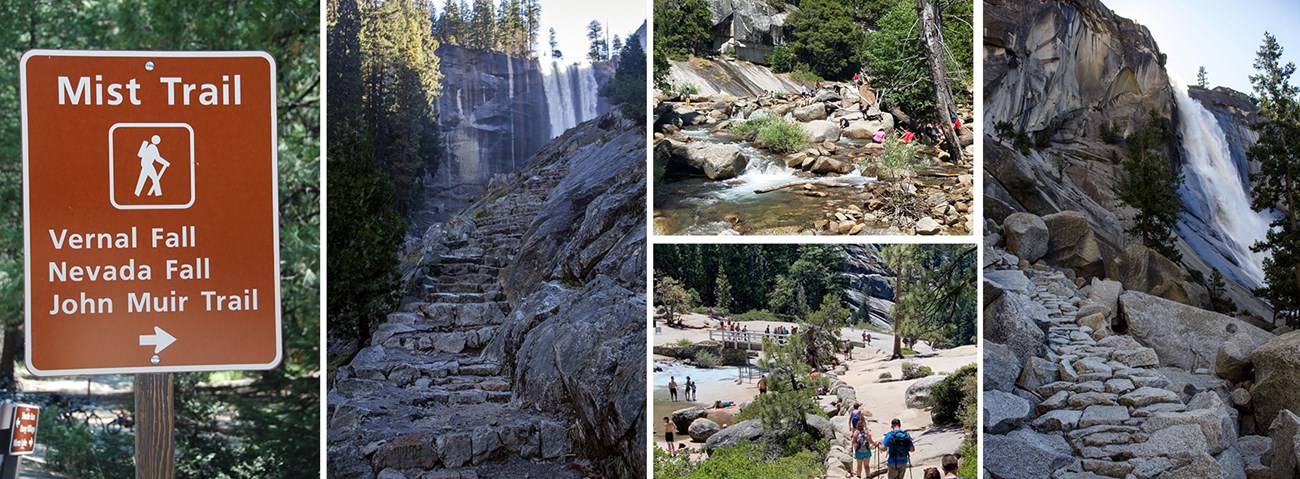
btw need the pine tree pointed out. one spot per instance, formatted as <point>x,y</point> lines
<point>616,44</point>
<point>628,88</point>
<point>596,36</point>
<point>722,292</point>
<point>555,47</point>
<point>1150,185</point>
<point>672,296</point>
<point>1278,181</point>
<point>1202,80</point>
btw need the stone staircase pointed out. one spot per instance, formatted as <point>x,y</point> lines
<point>426,400</point>
<point>1106,408</point>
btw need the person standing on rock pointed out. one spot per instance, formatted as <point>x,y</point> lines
<point>950,467</point>
<point>898,446</point>
<point>862,445</point>
<point>672,388</point>
<point>668,436</point>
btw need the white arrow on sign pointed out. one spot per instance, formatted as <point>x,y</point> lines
<point>159,340</point>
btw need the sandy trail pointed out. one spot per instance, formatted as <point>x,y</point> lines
<point>883,400</point>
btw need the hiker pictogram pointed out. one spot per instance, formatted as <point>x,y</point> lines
<point>148,174</point>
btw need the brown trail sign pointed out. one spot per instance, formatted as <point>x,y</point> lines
<point>151,215</point>
<point>150,201</point>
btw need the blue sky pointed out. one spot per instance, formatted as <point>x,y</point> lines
<point>1220,35</point>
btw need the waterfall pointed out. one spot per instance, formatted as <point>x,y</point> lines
<point>1217,188</point>
<point>571,93</point>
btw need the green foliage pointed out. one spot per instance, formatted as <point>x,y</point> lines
<point>670,294</point>
<point>1276,184</point>
<point>802,74</point>
<point>1110,133</point>
<point>628,87</point>
<point>77,449</point>
<point>826,38</point>
<point>1202,79</point>
<point>774,133</point>
<point>262,436</point>
<point>683,90</point>
<point>682,343</point>
<point>599,49</point>
<point>1150,185</point>
<point>722,290</point>
<point>1004,129</point>
<point>1219,300</point>
<point>915,371</point>
<point>746,460</point>
<point>766,279</point>
<point>969,466</point>
<point>935,290</point>
<point>781,59</point>
<point>681,28</point>
<point>661,65</point>
<point>790,397</point>
<point>908,352</point>
<point>895,56</point>
<point>511,28</point>
<point>706,359</point>
<point>955,398</point>
<point>821,330</point>
<point>757,315</point>
<point>1021,187</point>
<point>898,160</point>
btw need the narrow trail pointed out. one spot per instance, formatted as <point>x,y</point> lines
<point>428,395</point>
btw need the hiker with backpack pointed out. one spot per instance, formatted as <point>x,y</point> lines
<point>898,446</point>
<point>862,445</point>
<point>855,417</point>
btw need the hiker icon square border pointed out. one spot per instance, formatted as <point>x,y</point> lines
<point>151,166</point>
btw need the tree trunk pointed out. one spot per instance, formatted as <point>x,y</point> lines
<point>898,288</point>
<point>934,58</point>
<point>7,353</point>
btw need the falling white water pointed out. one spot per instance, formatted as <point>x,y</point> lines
<point>1220,186</point>
<point>571,93</point>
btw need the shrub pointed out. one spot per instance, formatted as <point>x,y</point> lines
<point>781,59</point>
<point>706,359</point>
<point>757,315</point>
<point>681,343</point>
<point>1109,133</point>
<point>908,351</point>
<point>1022,187</point>
<point>1004,129</point>
<point>898,160</point>
<point>915,371</point>
<point>776,134</point>
<point>78,450</point>
<point>955,398</point>
<point>744,460</point>
<point>681,90</point>
<point>802,74</point>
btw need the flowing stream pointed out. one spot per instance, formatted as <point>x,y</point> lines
<point>1216,191</point>
<point>572,93</point>
<point>698,206</point>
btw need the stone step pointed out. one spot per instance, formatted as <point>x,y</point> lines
<point>458,285</point>
<point>462,298</point>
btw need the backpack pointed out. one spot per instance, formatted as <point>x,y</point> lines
<point>854,417</point>
<point>863,441</point>
<point>900,444</point>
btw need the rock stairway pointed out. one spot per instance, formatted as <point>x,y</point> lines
<point>426,400</point>
<point>1096,404</point>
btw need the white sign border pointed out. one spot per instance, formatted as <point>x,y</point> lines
<point>275,213</point>
<point>13,429</point>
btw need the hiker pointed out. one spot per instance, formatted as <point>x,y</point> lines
<point>844,123</point>
<point>898,446</point>
<point>879,137</point>
<point>672,388</point>
<point>908,136</point>
<point>857,79</point>
<point>855,417</point>
<point>668,436</point>
<point>768,330</point>
<point>956,124</point>
<point>762,384</point>
<point>848,348</point>
<point>868,339</point>
<point>931,473</point>
<point>931,132</point>
<point>862,445</point>
<point>686,393</point>
<point>950,466</point>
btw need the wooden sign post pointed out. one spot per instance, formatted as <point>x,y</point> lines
<point>151,214</point>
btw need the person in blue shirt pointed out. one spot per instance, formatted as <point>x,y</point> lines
<point>898,446</point>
